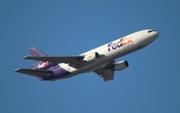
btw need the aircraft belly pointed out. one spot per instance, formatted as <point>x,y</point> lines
<point>62,71</point>
<point>59,72</point>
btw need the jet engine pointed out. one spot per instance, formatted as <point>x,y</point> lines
<point>91,57</point>
<point>121,65</point>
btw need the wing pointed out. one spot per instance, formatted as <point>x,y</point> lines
<point>56,59</point>
<point>105,74</point>
<point>36,73</point>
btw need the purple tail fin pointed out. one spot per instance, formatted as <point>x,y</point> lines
<point>35,52</point>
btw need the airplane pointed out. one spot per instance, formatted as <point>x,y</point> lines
<point>100,60</point>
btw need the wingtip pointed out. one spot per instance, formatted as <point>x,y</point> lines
<point>25,57</point>
<point>17,70</point>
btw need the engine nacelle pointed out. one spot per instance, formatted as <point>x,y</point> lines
<point>121,65</point>
<point>91,57</point>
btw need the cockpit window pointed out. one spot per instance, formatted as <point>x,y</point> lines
<point>151,31</point>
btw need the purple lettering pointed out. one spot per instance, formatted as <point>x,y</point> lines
<point>114,45</point>
<point>109,45</point>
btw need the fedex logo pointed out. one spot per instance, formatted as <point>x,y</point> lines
<point>43,65</point>
<point>122,42</point>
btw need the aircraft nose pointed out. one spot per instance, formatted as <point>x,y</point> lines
<point>153,34</point>
<point>156,34</point>
<point>149,37</point>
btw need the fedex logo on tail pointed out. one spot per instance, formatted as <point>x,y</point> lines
<point>45,64</point>
<point>122,42</point>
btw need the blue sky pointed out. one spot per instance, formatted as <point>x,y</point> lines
<point>150,84</point>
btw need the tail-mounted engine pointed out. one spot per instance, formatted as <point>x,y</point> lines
<point>91,57</point>
<point>121,65</point>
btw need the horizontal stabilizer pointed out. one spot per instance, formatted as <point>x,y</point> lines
<point>36,73</point>
<point>56,59</point>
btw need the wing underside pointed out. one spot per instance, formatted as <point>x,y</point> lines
<point>36,73</point>
<point>106,73</point>
<point>56,59</point>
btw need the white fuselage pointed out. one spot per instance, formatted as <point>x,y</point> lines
<point>114,50</point>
